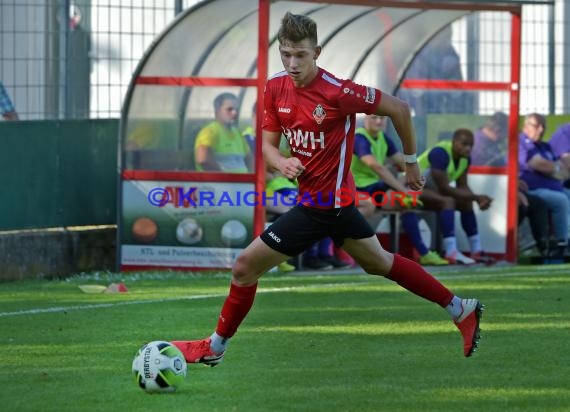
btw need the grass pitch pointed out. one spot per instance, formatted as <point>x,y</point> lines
<point>311,343</point>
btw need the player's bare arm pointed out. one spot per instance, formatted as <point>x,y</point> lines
<point>442,182</point>
<point>399,112</point>
<point>483,201</point>
<point>383,172</point>
<point>290,167</point>
<point>205,158</point>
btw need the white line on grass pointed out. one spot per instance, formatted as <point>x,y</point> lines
<point>56,309</point>
<point>162,300</point>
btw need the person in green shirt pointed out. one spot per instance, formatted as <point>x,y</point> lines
<point>219,146</point>
<point>443,164</point>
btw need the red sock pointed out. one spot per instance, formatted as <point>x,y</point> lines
<point>414,278</point>
<point>235,309</point>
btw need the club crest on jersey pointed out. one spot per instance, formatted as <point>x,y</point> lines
<point>319,114</point>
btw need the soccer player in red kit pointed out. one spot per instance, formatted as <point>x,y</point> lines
<point>316,112</point>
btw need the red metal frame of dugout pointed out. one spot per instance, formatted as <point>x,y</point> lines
<point>262,68</point>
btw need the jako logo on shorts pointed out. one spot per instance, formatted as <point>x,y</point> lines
<point>274,237</point>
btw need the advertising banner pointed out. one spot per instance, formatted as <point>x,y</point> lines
<point>185,224</point>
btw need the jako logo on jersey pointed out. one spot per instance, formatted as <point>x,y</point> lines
<point>319,114</point>
<point>274,237</point>
<point>298,138</point>
<point>284,110</point>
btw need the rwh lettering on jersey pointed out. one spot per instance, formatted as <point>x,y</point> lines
<point>299,139</point>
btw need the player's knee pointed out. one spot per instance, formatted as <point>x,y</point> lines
<point>242,270</point>
<point>247,269</point>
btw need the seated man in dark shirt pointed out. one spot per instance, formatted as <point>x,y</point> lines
<point>449,162</point>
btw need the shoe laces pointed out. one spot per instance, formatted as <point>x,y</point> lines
<point>466,304</point>
<point>204,345</point>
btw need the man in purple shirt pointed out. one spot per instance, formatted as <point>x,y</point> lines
<point>489,145</point>
<point>542,171</point>
<point>560,144</point>
<point>560,141</point>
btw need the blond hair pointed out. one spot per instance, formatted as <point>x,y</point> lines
<point>296,28</point>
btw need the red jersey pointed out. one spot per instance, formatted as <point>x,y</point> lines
<point>318,121</point>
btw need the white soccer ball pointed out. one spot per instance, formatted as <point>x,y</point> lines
<point>233,233</point>
<point>189,231</point>
<point>159,366</point>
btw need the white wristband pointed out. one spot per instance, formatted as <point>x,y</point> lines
<point>410,158</point>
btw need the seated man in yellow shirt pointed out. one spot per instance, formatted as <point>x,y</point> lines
<point>219,146</point>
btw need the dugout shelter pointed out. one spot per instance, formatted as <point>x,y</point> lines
<point>230,46</point>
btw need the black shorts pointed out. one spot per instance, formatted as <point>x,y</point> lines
<point>302,226</point>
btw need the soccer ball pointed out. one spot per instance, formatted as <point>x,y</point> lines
<point>189,231</point>
<point>233,233</point>
<point>159,367</point>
